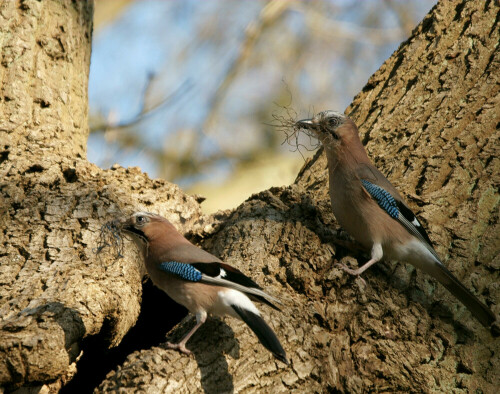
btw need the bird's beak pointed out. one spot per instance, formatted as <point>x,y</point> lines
<point>119,222</point>
<point>305,124</point>
<point>127,224</point>
<point>123,223</point>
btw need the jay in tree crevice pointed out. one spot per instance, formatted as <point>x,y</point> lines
<point>200,281</point>
<point>370,208</point>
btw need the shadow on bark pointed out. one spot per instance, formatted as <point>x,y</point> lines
<point>158,315</point>
<point>211,360</point>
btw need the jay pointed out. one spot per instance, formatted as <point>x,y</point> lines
<point>370,208</point>
<point>200,281</point>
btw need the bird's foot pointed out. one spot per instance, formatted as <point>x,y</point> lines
<point>347,269</point>
<point>178,346</point>
<point>351,271</point>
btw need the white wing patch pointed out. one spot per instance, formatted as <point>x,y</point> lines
<point>223,273</point>
<point>415,222</point>
<point>228,297</point>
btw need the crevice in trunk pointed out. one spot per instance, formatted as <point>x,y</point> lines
<point>159,313</point>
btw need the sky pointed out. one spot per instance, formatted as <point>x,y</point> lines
<point>188,47</point>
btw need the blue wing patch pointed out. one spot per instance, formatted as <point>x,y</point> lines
<point>184,271</point>
<point>383,198</point>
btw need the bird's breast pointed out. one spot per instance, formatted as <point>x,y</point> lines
<point>348,210</point>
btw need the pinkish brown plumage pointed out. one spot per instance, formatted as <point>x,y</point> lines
<point>200,281</point>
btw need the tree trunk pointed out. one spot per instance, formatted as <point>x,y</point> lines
<point>54,290</point>
<point>429,119</point>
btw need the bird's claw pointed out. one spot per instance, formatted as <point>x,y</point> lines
<point>179,347</point>
<point>350,271</point>
<point>347,269</point>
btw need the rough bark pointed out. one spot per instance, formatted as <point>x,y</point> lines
<point>54,290</point>
<point>430,120</point>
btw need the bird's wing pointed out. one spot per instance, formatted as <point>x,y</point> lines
<point>189,253</point>
<point>370,173</point>
<point>388,198</point>
<point>218,274</point>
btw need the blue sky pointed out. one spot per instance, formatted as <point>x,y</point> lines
<point>193,44</point>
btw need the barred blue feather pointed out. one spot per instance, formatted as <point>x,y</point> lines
<point>383,198</point>
<point>185,271</point>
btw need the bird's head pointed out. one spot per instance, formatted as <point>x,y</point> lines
<point>142,224</point>
<point>330,127</point>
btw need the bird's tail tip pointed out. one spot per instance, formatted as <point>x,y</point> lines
<point>282,358</point>
<point>264,333</point>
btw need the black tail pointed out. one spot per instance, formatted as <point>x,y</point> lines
<point>263,300</point>
<point>265,334</point>
<point>478,309</point>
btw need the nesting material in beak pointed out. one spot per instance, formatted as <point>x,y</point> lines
<point>110,235</point>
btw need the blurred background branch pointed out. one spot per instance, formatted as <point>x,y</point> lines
<point>187,89</point>
<point>270,13</point>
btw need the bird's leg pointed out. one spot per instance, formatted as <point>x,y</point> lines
<point>360,270</point>
<point>201,317</point>
<point>376,255</point>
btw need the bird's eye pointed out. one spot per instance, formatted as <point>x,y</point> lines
<point>334,122</point>
<point>140,220</point>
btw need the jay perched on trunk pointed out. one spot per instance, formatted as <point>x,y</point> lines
<point>200,281</point>
<point>368,206</point>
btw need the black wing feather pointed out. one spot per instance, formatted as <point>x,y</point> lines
<point>410,216</point>
<point>398,210</point>
<point>231,273</point>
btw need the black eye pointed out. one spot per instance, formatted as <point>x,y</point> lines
<point>140,219</point>
<point>333,122</point>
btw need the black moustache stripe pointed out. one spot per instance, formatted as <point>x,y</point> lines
<point>136,231</point>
